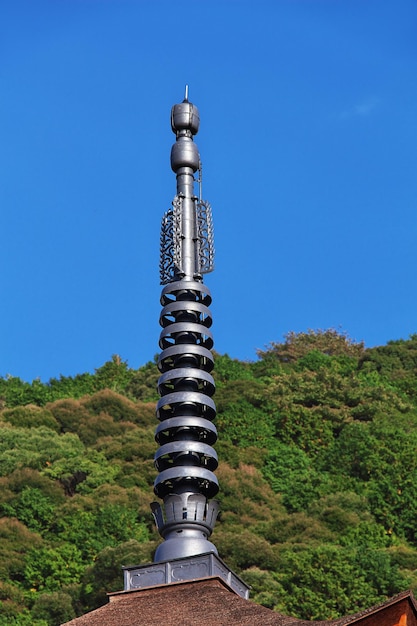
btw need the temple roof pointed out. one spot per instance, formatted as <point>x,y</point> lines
<point>210,601</point>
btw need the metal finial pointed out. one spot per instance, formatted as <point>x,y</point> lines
<point>185,459</point>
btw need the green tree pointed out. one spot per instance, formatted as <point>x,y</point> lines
<point>53,608</point>
<point>245,425</point>
<point>395,362</point>
<point>290,472</point>
<point>50,568</point>
<point>15,541</point>
<point>329,342</point>
<point>23,618</point>
<point>82,472</point>
<point>317,471</point>
<point>105,574</point>
<point>36,448</point>
<point>327,581</point>
<point>227,369</point>
<point>30,416</point>
<point>143,383</point>
<point>106,525</point>
<point>32,507</point>
<point>115,375</point>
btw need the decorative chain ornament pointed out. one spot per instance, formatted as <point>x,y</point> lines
<point>170,240</point>
<point>205,236</point>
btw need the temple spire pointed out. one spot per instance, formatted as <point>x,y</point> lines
<point>185,459</point>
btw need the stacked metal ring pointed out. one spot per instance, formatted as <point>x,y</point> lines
<point>185,460</point>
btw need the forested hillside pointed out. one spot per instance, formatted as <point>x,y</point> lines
<point>318,477</point>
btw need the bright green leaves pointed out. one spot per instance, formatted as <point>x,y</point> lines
<point>327,581</point>
<point>241,419</point>
<point>381,457</point>
<point>32,507</point>
<point>396,363</point>
<point>92,530</point>
<point>82,473</point>
<point>227,369</point>
<point>291,474</point>
<point>50,568</point>
<point>36,448</point>
<point>245,425</point>
<point>114,375</point>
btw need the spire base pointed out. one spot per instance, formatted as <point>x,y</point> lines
<point>185,521</point>
<point>183,543</point>
<point>198,567</point>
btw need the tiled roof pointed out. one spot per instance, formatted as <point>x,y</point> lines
<point>206,601</point>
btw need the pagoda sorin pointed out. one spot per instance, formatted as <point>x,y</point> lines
<point>185,459</point>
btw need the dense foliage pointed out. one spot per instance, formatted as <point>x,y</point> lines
<point>318,479</point>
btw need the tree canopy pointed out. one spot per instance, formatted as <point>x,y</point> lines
<point>318,477</point>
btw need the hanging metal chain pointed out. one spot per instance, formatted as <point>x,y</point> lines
<point>170,242</point>
<point>206,237</point>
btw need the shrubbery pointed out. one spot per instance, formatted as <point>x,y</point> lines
<point>318,479</point>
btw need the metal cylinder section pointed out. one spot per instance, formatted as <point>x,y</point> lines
<point>185,460</point>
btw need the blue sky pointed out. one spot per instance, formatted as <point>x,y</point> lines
<point>308,139</point>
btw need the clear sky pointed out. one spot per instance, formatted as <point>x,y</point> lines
<point>308,139</point>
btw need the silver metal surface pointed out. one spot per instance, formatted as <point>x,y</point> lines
<point>187,248</point>
<point>185,460</point>
<point>189,568</point>
<point>200,427</point>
